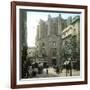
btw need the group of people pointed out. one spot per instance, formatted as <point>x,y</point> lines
<point>33,69</point>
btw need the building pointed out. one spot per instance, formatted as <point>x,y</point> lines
<point>71,41</point>
<point>31,54</point>
<point>51,35</point>
<point>76,27</point>
<point>23,28</point>
<point>23,40</point>
<point>72,31</point>
<point>23,34</point>
<point>31,51</point>
<point>48,40</point>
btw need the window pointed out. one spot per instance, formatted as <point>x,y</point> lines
<point>53,51</point>
<point>54,43</point>
<point>43,52</point>
<point>74,30</point>
<point>43,44</point>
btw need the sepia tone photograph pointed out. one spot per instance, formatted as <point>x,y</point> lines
<point>49,44</point>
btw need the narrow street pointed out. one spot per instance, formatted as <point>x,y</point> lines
<point>52,73</point>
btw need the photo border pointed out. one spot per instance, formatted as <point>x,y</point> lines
<point>13,43</point>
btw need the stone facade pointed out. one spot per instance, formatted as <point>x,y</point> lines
<point>72,30</point>
<point>23,28</point>
<point>31,54</point>
<point>23,39</point>
<point>51,35</point>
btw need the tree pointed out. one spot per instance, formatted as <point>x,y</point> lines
<point>71,50</point>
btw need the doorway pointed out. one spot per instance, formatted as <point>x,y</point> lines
<point>53,61</point>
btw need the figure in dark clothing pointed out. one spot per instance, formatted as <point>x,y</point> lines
<point>40,68</point>
<point>34,73</point>
<point>68,67</point>
<point>57,70</point>
<point>25,70</point>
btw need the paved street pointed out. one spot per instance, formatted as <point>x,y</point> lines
<point>63,73</point>
<point>52,73</point>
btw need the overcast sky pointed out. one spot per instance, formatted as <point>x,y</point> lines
<point>33,19</point>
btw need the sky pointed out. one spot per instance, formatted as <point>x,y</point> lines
<point>33,19</point>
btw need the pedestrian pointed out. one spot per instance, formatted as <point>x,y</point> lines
<point>34,72</point>
<point>44,71</point>
<point>47,66</point>
<point>47,70</point>
<point>30,71</point>
<point>57,70</point>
